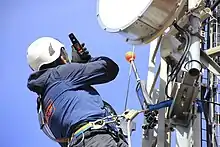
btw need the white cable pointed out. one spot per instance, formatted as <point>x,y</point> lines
<point>83,137</point>
<point>128,87</point>
<point>126,100</point>
<point>133,48</point>
<point>129,79</point>
<point>129,133</point>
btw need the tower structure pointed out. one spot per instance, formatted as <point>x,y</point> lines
<point>186,52</point>
<point>211,84</point>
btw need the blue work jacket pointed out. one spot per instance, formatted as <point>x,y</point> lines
<point>68,97</point>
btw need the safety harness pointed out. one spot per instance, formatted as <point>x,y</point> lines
<point>43,125</point>
<point>98,124</point>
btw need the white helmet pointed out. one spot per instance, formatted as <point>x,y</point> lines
<point>43,51</point>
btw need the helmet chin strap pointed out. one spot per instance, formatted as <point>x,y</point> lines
<point>64,56</point>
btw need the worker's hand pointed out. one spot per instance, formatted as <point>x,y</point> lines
<point>84,55</point>
<point>81,56</point>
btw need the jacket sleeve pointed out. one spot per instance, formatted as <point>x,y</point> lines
<point>99,70</point>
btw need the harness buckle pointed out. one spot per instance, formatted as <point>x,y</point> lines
<point>98,124</point>
<point>130,114</point>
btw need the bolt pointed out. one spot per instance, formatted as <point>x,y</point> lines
<point>171,129</point>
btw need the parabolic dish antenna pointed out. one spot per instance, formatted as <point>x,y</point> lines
<point>140,21</point>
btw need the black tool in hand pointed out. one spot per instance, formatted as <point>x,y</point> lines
<point>79,49</point>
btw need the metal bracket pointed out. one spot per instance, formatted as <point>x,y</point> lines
<point>195,4</point>
<point>213,51</point>
<point>209,63</point>
<point>123,127</point>
<point>205,13</point>
<point>184,94</point>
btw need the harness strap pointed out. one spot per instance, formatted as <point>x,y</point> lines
<point>45,128</point>
<point>78,138</point>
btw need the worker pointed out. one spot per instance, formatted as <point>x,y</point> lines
<point>70,102</point>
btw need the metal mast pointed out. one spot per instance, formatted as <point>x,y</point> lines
<point>211,84</point>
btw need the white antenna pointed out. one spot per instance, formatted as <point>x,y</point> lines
<point>140,21</point>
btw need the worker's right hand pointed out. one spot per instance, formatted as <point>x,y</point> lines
<point>82,56</point>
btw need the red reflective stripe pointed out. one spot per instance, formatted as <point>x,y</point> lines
<point>62,140</point>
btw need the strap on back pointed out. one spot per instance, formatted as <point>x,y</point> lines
<point>43,126</point>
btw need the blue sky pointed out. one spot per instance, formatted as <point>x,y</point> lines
<point>24,21</point>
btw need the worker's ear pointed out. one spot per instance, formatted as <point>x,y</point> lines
<point>64,56</point>
<point>64,60</point>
